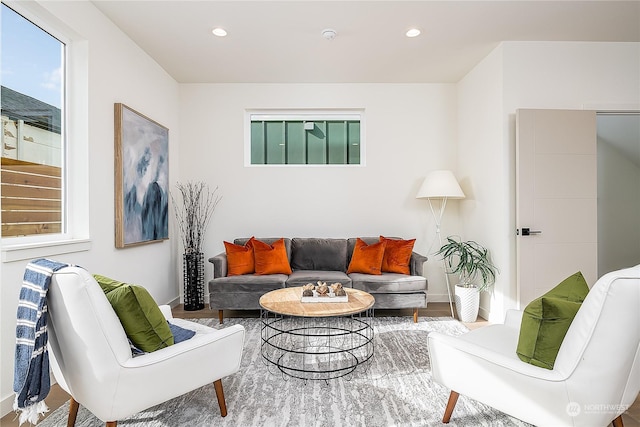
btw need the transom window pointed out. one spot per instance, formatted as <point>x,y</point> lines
<point>304,138</point>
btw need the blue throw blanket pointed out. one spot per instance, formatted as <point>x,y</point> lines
<point>31,376</point>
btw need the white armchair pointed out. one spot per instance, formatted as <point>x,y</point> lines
<point>91,357</point>
<point>596,375</point>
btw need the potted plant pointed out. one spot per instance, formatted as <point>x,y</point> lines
<point>192,216</point>
<point>477,273</point>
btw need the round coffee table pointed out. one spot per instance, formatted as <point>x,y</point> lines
<point>316,340</point>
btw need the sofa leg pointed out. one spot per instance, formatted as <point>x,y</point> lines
<point>453,399</point>
<point>220,316</point>
<point>618,422</point>
<point>415,315</point>
<point>220,396</point>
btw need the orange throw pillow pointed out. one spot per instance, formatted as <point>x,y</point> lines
<point>367,258</point>
<point>240,259</point>
<point>397,255</point>
<point>271,259</point>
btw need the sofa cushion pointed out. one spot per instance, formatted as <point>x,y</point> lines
<point>236,300</point>
<point>141,318</point>
<point>271,259</point>
<point>397,254</point>
<point>546,320</point>
<point>302,277</point>
<point>248,283</point>
<point>400,300</point>
<point>319,254</point>
<point>388,283</point>
<point>367,258</point>
<point>240,258</point>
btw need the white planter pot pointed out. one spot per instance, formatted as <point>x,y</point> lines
<point>467,303</point>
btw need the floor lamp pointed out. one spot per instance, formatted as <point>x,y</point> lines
<point>440,185</point>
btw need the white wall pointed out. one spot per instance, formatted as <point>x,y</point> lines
<point>571,75</point>
<point>483,168</point>
<point>551,75</point>
<point>410,130</point>
<point>119,71</point>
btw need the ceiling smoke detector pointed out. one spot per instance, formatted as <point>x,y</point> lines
<point>329,34</point>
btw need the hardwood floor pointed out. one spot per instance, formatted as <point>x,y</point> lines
<point>58,397</point>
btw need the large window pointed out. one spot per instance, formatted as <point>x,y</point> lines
<point>33,128</point>
<point>305,138</point>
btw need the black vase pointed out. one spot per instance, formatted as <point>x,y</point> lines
<point>193,265</point>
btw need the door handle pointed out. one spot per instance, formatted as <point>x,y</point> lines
<point>528,232</point>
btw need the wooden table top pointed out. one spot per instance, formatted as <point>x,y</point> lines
<point>286,301</point>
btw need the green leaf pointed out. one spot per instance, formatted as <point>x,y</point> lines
<point>469,260</point>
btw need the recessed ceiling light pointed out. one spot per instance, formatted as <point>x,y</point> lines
<point>413,32</point>
<point>220,32</point>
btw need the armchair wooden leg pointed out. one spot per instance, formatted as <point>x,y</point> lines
<point>453,399</point>
<point>73,412</point>
<point>220,316</point>
<point>618,422</point>
<point>415,315</point>
<point>220,396</point>
<point>111,424</point>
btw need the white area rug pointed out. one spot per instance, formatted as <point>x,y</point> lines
<point>395,390</point>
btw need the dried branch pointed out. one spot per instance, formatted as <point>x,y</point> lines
<point>194,214</point>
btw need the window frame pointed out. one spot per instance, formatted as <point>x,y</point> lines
<point>74,143</point>
<point>304,115</point>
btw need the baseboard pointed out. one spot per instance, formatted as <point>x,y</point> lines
<point>484,313</point>
<point>6,405</point>
<point>437,298</point>
<point>174,302</point>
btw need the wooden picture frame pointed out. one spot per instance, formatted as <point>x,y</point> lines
<point>141,178</point>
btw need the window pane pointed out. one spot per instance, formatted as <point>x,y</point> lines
<point>317,144</point>
<point>275,143</point>
<point>257,143</point>
<point>337,142</point>
<point>354,143</point>
<point>296,150</point>
<point>32,127</point>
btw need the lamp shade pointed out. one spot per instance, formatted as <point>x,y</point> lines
<point>439,185</point>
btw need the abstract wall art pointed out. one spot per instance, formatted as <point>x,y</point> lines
<point>141,178</point>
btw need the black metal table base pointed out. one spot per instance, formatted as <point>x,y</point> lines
<point>317,348</point>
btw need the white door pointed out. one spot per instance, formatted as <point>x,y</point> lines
<point>556,199</point>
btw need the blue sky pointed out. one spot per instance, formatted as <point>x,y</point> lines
<point>30,59</point>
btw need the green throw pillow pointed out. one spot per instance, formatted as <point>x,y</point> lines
<point>546,320</point>
<point>141,318</point>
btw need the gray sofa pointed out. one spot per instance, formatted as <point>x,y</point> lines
<point>314,259</point>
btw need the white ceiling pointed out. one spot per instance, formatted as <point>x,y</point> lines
<point>281,42</point>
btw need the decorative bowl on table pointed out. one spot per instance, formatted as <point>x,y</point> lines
<point>323,293</point>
